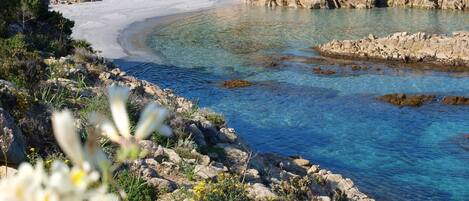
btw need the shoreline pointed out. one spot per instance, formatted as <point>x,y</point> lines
<point>101,23</point>
<point>131,40</point>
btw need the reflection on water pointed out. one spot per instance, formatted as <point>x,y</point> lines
<point>392,153</point>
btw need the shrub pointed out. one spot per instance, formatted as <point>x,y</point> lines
<point>18,64</point>
<point>217,119</point>
<point>295,188</point>
<point>224,188</point>
<point>135,187</point>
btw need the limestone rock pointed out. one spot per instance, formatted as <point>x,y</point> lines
<point>448,53</point>
<point>209,172</point>
<point>407,100</point>
<point>260,192</point>
<point>172,155</point>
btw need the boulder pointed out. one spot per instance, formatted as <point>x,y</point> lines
<point>211,171</point>
<point>259,192</point>
<point>36,126</point>
<point>12,145</point>
<point>407,100</point>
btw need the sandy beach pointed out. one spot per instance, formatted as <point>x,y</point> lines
<point>101,23</point>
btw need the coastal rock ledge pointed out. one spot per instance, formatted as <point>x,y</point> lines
<point>333,4</point>
<point>441,50</point>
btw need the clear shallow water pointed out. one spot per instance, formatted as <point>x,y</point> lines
<point>391,153</point>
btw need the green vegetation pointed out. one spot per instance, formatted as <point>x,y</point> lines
<point>29,32</point>
<point>217,119</point>
<point>295,188</point>
<point>135,187</point>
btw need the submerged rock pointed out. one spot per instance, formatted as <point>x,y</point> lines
<point>321,71</point>
<point>449,53</point>
<point>455,100</point>
<point>407,100</point>
<point>231,84</point>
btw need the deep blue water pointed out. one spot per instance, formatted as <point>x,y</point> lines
<point>392,153</point>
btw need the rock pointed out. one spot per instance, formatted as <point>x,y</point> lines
<point>322,198</point>
<point>315,4</point>
<point>407,100</point>
<point>197,135</point>
<point>320,71</point>
<point>235,155</point>
<point>231,84</point>
<point>444,53</point>
<point>252,176</point>
<point>229,133</point>
<point>466,136</point>
<point>172,155</point>
<point>7,171</point>
<point>162,185</point>
<point>260,192</point>
<point>455,100</point>
<point>11,140</point>
<point>313,169</point>
<point>36,126</point>
<point>209,172</point>
<point>302,162</point>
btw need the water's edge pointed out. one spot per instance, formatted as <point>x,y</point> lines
<point>133,39</point>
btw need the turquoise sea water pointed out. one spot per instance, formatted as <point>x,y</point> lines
<point>391,153</point>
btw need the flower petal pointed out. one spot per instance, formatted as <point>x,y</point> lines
<point>165,131</point>
<point>151,119</point>
<point>66,135</point>
<point>117,100</point>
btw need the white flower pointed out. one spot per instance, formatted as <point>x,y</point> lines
<point>66,135</point>
<point>151,119</point>
<point>34,184</point>
<point>65,132</point>
<point>117,100</point>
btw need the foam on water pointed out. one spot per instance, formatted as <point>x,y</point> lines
<point>392,153</point>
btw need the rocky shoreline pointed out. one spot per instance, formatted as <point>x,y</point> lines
<point>333,4</point>
<point>449,53</point>
<point>264,173</point>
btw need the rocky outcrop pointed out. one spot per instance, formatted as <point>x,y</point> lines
<point>224,152</point>
<point>449,52</point>
<point>315,4</point>
<point>430,4</point>
<point>407,100</point>
<point>330,4</point>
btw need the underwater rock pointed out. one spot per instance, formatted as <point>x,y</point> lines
<point>455,100</point>
<point>320,71</point>
<point>407,100</point>
<point>231,84</point>
<point>446,53</point>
